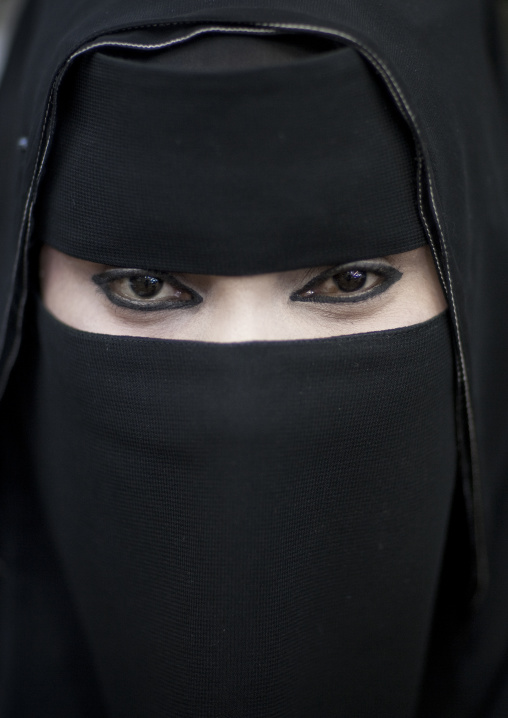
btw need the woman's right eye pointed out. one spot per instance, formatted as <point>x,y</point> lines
<point>145,290</point>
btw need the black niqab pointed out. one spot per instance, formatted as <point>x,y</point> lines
<point>265,521</point>
<point>327,587</point>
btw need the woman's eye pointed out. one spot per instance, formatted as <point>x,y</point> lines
<point>145,291</point>
<point>349,283</point>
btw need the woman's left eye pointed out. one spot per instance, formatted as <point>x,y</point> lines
<point>351,282</point>
<point>145,291</point>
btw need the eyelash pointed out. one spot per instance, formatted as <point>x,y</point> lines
<point>388,274</point>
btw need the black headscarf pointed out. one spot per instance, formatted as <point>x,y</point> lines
<point>255,529</point>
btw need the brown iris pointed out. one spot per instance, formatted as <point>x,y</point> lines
<point>145,286</point>
<point>350,280</point>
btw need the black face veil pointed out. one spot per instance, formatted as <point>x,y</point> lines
<point>230,530</point>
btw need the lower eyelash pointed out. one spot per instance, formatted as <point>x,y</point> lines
<point>149,306</point>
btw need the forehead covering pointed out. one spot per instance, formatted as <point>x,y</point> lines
<point>229,171</point>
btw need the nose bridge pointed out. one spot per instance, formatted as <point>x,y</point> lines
<point>244,309</point>
<point>241,323</point>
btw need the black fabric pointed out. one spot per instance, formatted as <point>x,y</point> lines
<point>265,520</point>
<point>45,664</point>
<point>223,172</point>
<point>435,65</point>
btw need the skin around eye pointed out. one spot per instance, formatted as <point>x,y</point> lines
<point>353,282</point>
<point>145,290</point>
<point>361,296</point>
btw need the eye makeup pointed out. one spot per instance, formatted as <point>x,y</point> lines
<point>348,283</point>
<point>145,290</point>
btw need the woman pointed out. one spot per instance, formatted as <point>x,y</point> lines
<point>249,483</point>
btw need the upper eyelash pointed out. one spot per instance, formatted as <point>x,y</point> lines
<point>103,280</point>
<point>119,273</point>
<point>391,274</point>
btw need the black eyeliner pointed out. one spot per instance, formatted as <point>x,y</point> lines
<point>104,279</point>
<point>389,273</point>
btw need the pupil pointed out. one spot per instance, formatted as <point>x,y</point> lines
<point>145,286</point>
<point>350,280</point>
